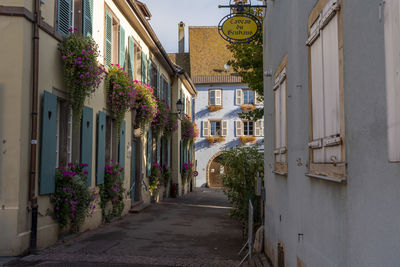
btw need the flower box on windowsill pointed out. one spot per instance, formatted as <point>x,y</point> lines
<point>215,139</point>
<point>248,107</point>
<point>212,108</point>
<point>248,139</point>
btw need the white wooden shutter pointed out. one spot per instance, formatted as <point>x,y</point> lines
<point>239,97</point>
<point>206,128</point>
<point>261,127</point>
<point>392,54</point>
<point>239,128</point>
<point>224,125</point>
<point>218,99</point>
<point>283,113</point>
<point>277,117</point>
<point>256,101</point>
<point>257,130</point>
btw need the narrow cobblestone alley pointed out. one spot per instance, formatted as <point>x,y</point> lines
<point>192,231</point>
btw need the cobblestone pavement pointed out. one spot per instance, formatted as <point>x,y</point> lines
<point>195,230</point>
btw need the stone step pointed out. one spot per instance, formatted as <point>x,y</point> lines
<point>138,206</point>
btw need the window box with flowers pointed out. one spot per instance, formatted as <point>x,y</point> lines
<point>213,108</point>
<point>215,139</point>
<point>82,72</point>
<point>248,107</point>
<point>248,139</point>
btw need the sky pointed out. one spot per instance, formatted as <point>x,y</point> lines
<point>166,14</point>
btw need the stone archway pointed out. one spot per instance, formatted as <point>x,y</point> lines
<point>212,170</point>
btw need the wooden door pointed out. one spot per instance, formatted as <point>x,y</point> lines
<point>216,169</point>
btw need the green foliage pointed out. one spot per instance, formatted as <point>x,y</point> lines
<point>146,105</point>
<point>112,191</point>
<point>73,201</point>
<point>161,120</point>
<point>82,73</point>
<point>166,174</point>
<point>155,177</point>
<point>239,179</point>
<point>187,172</point>
<point>189,130</point>
<point>248,63</point>
<point>121,94</point>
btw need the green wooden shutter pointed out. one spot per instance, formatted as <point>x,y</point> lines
<point>87,22</point>
<point>149,73</point>
<point>108,40</point>
<point>48,155</point>
<point>158,150</point>
<point>131,56</point>
<point>101,147</point>
<point>149,151</point>
<point>121,52</point>
<point>64,16</point>
<point>144,63</point>
<point>121,149</point>
<point>168,97</point>
<point>169,152</point>
<point>87,141</point>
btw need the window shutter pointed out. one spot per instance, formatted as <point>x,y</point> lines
<point>283,113</point>
<point>158,83</point>
<point>121,51</point>
<point>149,72</point>
<point>101,147</point>
<point>144,62</point>
<point>87,141</point>
<point>169,94</point>
<point>131,55</point>
<point>181,155</point>
<point>121,148</point>
<point>256,100</point>
<point>262,127</point>
<point>392,53</point>
<point>206,128</point>
<point>158,150</point>
<point>87,22</point>
<point>149,151</point>
<point>278,120</point>
<point>169,152</point>
<point>108,40</point>
<point>218,97</point>
<point>239,97</point>
<point>224,125</point>
<point>239,128</point>
<point>257,130</point>
<point>64,8</point>
<point>48,141</point>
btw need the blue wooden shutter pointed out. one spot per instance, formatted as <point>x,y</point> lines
<point>48,155</point>
<point>149,73</point>
<point>64,16</point>
<point>121,52</point>
<point>87,141</point>
<point>87,22</point>
<point>131,56</point>
<point>121,149</point>
<point>144,63</point>
<point>149,151</point>
<point>168,98</point>
<point>169,152</point>
<point>158,150</point>
<point>108,40</point>
<point>101,147</point>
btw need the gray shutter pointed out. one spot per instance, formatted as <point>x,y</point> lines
<point>87,140</point>
<point>108,40</point>
<point>87,22</point>
<point>149,151</point>
<point>48,158</point>
<point>101,147</point>
<point>121,52</point>
<point>121,149</point>
<point>64,16</point>
<point>131,55</point>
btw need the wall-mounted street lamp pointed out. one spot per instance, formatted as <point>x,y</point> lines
<point>179,107</point>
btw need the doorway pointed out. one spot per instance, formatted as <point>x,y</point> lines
<point>215,170</point>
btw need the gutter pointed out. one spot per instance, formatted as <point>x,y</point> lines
<point>34,128</point>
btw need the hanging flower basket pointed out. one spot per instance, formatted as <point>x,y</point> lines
<point>215,139</point>
<point>172,124</point>
<point>248,139</point>
<point>121,93</point>
<point>160,121</point>
<point>248,107</point>
<point>146,105</point>
<point>213,108</point>
<point>82,73</point>
<point>189,130</point>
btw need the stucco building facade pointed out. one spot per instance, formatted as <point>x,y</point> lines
<point>33,94</point>
<point>331,159</point>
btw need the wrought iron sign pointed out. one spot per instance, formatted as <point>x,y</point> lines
<point>240,26</point>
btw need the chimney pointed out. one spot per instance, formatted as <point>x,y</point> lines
<point>181,37</point>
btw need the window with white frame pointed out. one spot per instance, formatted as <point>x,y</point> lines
<point>249,128</point>
<point>215,97</point>
<point>280,93</point>
<point>392,54</point>
<point>326,143</point>
<point>248,97</point>
<point>215,128</point>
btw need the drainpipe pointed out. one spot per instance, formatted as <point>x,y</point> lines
<point>34,126</point>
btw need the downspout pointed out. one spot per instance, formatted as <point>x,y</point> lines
<point>34,122</point>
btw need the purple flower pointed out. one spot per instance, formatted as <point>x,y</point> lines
<point>83,164</point>
<point>70,164</point>
<point>85,172</point>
